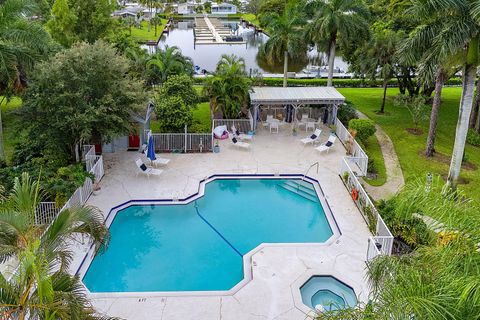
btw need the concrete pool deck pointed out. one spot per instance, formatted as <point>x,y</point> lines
<point>278,272</point>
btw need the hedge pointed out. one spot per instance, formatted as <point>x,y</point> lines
<point>350,83</point>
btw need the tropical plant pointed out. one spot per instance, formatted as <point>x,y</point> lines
<point>180,86</point>
<point>62,23</point>
<point>334,21</point>
<point>41,287</point>
<point>416,107</point>
<point>229,88</point>
<point>23,43</point>
<point>167,62</point>
<point>94,102</point>
<point>286,36</point>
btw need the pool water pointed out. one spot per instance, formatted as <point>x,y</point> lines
<point>199,246</point>
<point>328,292</point>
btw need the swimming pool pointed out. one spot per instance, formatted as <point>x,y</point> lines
<point>200,245</point>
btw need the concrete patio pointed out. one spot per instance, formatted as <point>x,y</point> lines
<point>278,271</point>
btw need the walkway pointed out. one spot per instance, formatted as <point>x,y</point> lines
<point>394,171</point>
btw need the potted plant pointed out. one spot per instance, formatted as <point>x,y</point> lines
<point>333,128</point>
<point>294,131</point>
<point>216,148</point>
<point>96,188</point>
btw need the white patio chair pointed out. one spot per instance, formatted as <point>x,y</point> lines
<point>274,125</point>
<point>266,123</point>
<point>310,125</point>
<point>142,168</point>
<point>327,145</point>
<point>313,138</point>
<point>303,121</point>
<point>159,161</point>
<point>240,144</point>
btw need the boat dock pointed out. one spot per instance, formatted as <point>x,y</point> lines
<point>212,31</point>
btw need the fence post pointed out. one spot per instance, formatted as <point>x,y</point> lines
<point>185,147</point>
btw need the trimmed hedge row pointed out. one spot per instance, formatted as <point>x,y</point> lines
<point>351,83</point>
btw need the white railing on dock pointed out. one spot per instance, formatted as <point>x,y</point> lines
<point>356,153</point>
<point>382,237</point>
<point>47,211</point>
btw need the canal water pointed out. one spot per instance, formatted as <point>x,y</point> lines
<point>206,56</point>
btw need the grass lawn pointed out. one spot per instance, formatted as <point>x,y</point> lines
<point>375,153</point>
<point>410,147</point>
<point>142,34</point>
<point>10,135</point>
<point>250,17</point>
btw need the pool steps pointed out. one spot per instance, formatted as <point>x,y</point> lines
<point>301,189</point>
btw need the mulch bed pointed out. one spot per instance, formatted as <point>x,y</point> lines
<point>414,131</point>
<point>445,159</point>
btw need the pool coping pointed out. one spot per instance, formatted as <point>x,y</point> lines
<point>248,262</point>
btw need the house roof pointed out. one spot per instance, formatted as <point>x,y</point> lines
<point>295,95</point>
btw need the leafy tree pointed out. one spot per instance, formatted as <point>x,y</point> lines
<point>268,7</point>
<point>62,23</point>
<point>165,63</point>
<point>416,107</point>
<point>228,90</point>
<point>79,95</point>
<point>23,43</point>
<point>286,36</point>
<point>173,114</point>
<point>253,6</point>
<point>41,288</point>
<point>208,7</point>
<point>93,18</point>
<point>336,20</point>
<point>180,86</point>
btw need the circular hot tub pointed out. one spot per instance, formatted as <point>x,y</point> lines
<point>327,293</point>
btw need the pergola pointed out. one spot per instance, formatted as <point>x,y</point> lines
<point>295,97</point>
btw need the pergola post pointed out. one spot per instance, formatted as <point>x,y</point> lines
<point>334,113</point>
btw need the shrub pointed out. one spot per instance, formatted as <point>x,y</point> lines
<point>180,86</point>
<point>473,138</point>
<point>172,114</point>
<point>415,105</point>
<point>347,112</point>
<point>372,166</point>
<point>365,128</point>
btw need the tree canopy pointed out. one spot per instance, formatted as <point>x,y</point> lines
<point>82,94</point>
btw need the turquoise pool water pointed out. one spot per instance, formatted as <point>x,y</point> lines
<point>328,292</point>
<point>199,246</point>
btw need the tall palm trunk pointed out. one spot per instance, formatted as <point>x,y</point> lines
<point>474,117</point>
<point>466,102</point>
<point>285,68</point>
<point>437,99</point>
<point>331,60</point>
<point>2,149</point>
<point>385,86</point>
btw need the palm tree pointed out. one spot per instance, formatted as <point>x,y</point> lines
<point>23,42</point>
<point>19,230</point>
<point>167,62</point>
<point>286,36</point>
<point>228,89</point>
<point>333,20</point>
<point>41,287</point>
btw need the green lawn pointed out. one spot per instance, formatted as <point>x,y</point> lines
<point>10,135</point>
<point>142,34</point>
<point>410,147</point>
<point>250,17</point>
<point>375,153</point>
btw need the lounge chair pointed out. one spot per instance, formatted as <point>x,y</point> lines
<point>313,138</point>
<point>142,168</point>
<point>159,161</point>
<point>241,136</point>
<point>327,145</point>
<point>240,144</point>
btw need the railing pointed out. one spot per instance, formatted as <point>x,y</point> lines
<point>182,142</point>
<point>242,125</point>
<point>47,211</point>
<point>383,238</point>
<point>355,152</point>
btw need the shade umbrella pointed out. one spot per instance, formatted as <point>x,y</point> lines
<point>151,149</point>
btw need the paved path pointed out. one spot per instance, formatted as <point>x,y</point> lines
<point>394,172</point>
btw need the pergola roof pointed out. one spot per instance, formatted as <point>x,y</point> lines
<point>295,95</point>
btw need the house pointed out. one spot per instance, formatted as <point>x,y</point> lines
<point>135,11</point>
<point>224,8</point>
<point>186,8</point>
